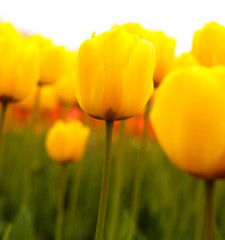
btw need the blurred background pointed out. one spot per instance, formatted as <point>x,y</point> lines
<point>70,22</point>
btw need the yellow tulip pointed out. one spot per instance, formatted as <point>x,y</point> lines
<point>52,59</point>
<point>164,52</point>
<point>8,29</point>
<point>189,120</point>
<point>19,68</point>
<point>164,48</point>
<point>65,89</point>
<point>66,142</point>
<point>115,72</point>
<point>206,43</point>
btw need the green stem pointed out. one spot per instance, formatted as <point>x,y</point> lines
<point>140,165</point>
<point>61,199</point>
<point>118,184</point>
<point>2,118</point>
<point>30,153</point>
<point>105,183</point>
<point>74,190</point>
<point>209,209</point>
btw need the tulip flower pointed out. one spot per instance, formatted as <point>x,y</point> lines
<point>52,59</point>
<point>65,88</point>
<point>72,136</point>
<point>188,118</point>
<point>65,143</point>
<point>207,43</point>
<point>164,48</point>
<point>115,71</point>
<point>19,68</point>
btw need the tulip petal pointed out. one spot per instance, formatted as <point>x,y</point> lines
<point>137,79</point>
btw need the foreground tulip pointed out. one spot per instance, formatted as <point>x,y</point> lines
<point>189,121</point>
<point>115,71</point>
<point>65,143</point>
<point>208,43</point>
<point>115,75</point>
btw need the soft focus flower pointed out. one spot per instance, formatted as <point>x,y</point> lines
<point>208,42</point>
<point>164,48</point>
<point>66,142</point>
<point>65,88</point>
<point>189,120</point>
<point>7,29</point>
<point>115,75</point>
<point>19,67</point>
<point>52,59</point>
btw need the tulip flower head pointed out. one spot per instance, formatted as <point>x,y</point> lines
<point>52,59</point>
<point>208,44</point>
<point>115,72</point>
<point>188,118</point>
<point>164,48</point>
<point>66,141</point>
<point>19,68</point>
<point>65,88</point>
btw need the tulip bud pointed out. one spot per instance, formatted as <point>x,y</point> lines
<point>66,142</point>
<point>115,72</point>
<point>188,118</point>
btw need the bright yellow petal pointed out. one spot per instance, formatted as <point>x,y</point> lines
<point>138,79</point>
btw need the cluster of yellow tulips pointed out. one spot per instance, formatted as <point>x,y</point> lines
<point>116,75</point>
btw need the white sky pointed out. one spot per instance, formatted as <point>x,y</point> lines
<point>70,22</point>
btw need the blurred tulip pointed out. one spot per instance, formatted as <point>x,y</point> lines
<point>65,89</point>
<point>115,72</point>
<point>52,59</point>
<point>66,142</point>
<point>19,68</point>
<point>164,48</point>
<point>7,29</point>
<point>188,118</point>
<point>208,42</point>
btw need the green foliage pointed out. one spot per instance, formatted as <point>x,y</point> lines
<point>170,208</point>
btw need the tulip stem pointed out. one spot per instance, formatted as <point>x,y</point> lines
<point>30,153</point>
<point>105,183</point>
<point>61,200</point>
<point>140,165</point>
<point>2,118</point>
<point>209,212</point>
<point>118,184</point>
